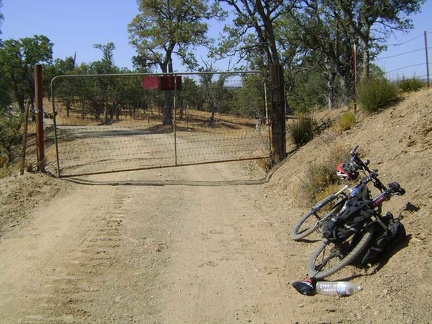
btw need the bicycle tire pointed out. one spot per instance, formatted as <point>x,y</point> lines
<point>298,232</point>
<point>326,246</point>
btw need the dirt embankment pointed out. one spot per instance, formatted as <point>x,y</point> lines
<point>398,142</point>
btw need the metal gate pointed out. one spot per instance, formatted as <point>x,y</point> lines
<point>116,122</point>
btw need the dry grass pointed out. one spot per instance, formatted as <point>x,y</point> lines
<point>152,118</point>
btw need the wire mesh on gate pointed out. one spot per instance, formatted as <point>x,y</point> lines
<point>109,123</point>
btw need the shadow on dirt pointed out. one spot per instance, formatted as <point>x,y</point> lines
<point>383,260</point>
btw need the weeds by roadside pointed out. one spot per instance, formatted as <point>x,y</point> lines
<point>321,179</point>
<point>302,131</point>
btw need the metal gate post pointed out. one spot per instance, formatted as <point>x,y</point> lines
<point>278,113</point>
<point>175,119</point>
<point>39,118</point>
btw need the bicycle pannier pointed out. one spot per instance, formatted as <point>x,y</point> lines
<point>384,239</point>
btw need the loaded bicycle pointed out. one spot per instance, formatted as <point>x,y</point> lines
<point>311,221</point>
<point>348,234</point>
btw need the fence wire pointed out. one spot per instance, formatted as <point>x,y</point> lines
<point>410,60</point>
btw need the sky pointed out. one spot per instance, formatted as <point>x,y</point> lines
<point>75,26</point>
<point>406,54</point>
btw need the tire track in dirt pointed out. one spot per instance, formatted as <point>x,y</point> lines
<point>31,263</point>
<point>71,243</point>
<point>83,268</point>
<point>116,264</point>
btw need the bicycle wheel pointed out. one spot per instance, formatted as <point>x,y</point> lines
<point>329,258</point>
<point>311,221</point>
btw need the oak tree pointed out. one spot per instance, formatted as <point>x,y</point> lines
<point>165,29</point>
<point>17,58</point>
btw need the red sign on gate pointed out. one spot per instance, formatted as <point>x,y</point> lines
<point>150,82</point>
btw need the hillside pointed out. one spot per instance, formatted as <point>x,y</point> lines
<point>398,143</point>
<point>204,249</point>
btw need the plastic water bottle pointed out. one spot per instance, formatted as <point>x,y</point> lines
<point>339,288</point>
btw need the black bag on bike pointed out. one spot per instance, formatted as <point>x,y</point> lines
<point>384,239</point>
<point>349,221</point>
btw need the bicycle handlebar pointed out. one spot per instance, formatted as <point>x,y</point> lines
<point>393,188</point>
<point>356,159</point>
<point>373,177</point>
<point>353,151</point>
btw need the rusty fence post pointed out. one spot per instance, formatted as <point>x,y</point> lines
<point>278,113</point>
<point>39,118</point>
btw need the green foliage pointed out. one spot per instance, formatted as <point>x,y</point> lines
<point>17,61</point>
<point>5,92</point>
<point>346,120</point>
<point>302,131</point>
<point>191,94</point>
<point>166,28</point>
<point>4,172</point>
<point>10,125</point>
<point>308,90</point>
<point>411,84</point>
<point>250,97</point>
<point>171,27</point>
<point>315,37</point>
<point>214,90</point>
<point>375,94</point>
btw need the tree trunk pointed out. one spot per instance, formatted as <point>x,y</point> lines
<point>330,89</point>
<point>167,67</point>
<point>21,103</point>
<point>331,76</point>
<point>105,113</point>
<point>365,59</point>
<point>212,108</point>
<point>68,107</point>
<point>167,110</point>
<point>343,82</point>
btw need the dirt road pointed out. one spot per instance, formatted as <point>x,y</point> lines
<point>185,245</point>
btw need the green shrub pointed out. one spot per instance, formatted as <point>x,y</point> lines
<point>4,158</point>
<point>408,85</point>
<point>10,135</point>
<point>302,131</point>
<point>4,172</point>
<point>346,120</point>
<point>376,93</point>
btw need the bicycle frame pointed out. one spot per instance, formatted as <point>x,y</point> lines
<point>330,198</point>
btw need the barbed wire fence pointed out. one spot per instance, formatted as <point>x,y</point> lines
<point>415,51</point>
